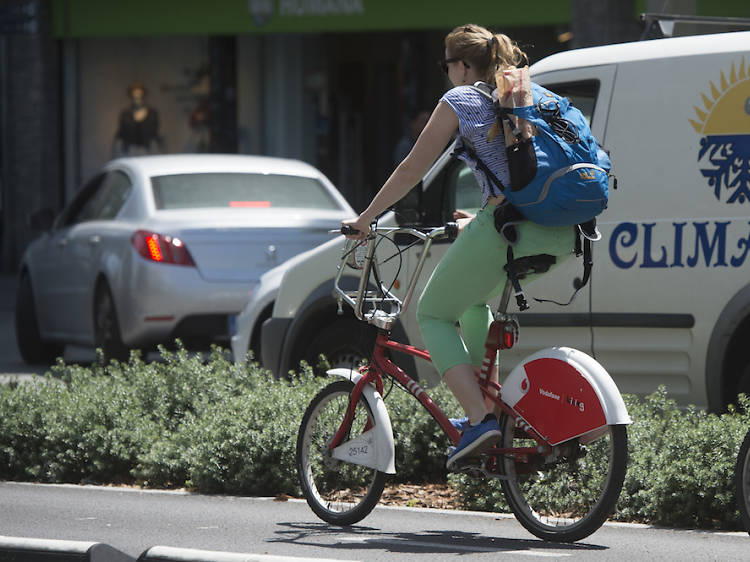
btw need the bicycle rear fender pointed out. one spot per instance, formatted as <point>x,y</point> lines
<point>564,393</point>
<point>375,447</point>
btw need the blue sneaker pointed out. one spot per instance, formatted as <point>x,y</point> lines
<point>459,423</point>
<point>476,439</point>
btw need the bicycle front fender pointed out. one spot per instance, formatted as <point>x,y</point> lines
<point>564,393</point>
<point>374,448</point>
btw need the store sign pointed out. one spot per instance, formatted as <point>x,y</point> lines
<point>321,7</point>
<point>263,10</point>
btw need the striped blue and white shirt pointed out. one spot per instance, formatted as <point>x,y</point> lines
<point>475,118</point>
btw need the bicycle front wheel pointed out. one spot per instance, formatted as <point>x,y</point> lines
<point>742,481</point>
<point>339,492</point>
<point>569,494</point>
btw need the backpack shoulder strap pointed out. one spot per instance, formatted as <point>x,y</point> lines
<point>468,148</point>
<point>483,88</point>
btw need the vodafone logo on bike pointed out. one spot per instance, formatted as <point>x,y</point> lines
<point>549,394</point>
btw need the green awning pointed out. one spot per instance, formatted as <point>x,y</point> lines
<point>91,18</point>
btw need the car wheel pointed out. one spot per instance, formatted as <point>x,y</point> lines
<point>345,344</point>
<point>33,349</point>
<point>106,327</point>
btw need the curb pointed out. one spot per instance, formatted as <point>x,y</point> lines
<point>18,549</point>
<point>21,549</point>
<point>165,553</point>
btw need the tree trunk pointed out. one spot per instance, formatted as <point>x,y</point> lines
<point>603,22</point>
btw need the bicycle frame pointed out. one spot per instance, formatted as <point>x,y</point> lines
<point>380,364</point>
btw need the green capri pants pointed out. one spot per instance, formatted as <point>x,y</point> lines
<point>470,274</point>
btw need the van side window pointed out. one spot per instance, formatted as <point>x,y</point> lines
<point>581,94</point>
<point>462,191</point>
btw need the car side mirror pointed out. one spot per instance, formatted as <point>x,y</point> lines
<point>409,209</point>
<point>42,219</point>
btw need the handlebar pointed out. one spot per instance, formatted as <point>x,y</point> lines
<point>347,230</point>
<point>382,295</point>
<point>450,231</point>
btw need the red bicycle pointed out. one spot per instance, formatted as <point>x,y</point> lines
<point>563,456</point>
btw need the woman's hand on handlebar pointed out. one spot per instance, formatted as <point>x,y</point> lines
<point>462,218</point>
<point>355,229</point>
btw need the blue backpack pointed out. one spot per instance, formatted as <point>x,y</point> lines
<point>560,176</point>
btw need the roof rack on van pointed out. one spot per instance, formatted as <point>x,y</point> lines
<point>657,26</point>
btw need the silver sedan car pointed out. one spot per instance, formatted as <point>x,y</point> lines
<point>155,248</point>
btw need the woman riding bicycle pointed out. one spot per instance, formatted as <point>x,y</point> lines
<point>472,271</point>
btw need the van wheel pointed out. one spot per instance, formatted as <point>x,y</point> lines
<point>345,344</point>
<point>33,349</point>
<point>106,327</point>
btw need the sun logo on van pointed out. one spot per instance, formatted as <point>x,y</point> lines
<point>724,120</point>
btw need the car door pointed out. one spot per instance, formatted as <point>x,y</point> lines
<point>51,266</point>
<point>70,262</point>
<point>93,237</point>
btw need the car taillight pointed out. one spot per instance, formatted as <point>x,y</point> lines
<point>161,248</point>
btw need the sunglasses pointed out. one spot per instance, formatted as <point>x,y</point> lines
<point>443,64</point>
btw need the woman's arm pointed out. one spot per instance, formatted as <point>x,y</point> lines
<point>438,132</point>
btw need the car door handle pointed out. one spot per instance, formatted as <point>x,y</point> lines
<point>95,239</point>
<point>62,242</point>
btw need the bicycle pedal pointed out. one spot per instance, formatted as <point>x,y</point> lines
<point>468,463</point>
<point>468,466</point>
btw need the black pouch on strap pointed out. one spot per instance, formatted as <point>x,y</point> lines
<point>507,218</point>
<point>522,164</point>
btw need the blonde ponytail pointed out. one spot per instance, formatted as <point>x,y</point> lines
<point>484,50</point>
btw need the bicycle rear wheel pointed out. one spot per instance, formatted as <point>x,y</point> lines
<point>742,481</point>
<point>568,495</point>
<point>339,492</point>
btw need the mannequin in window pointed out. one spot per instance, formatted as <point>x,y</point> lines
<point>138,127</point>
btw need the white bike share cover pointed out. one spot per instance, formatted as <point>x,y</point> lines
<point>564,393</point>
<point>373,448</point>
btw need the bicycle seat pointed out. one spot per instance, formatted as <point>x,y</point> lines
<point>529,265</point>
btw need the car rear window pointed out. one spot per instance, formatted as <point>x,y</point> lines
<point>188,191</point>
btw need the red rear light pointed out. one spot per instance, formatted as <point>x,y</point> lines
<point>161,248</point>
<point>510,339</point>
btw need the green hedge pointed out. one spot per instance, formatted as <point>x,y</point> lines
<point>209,425</point>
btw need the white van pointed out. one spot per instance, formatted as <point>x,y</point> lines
<point>669,298</point>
